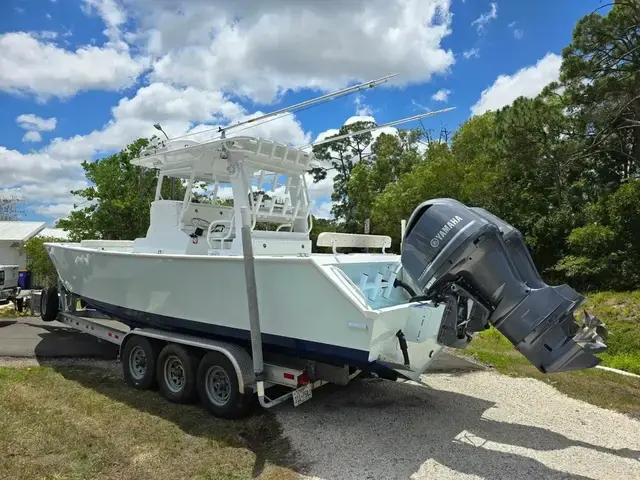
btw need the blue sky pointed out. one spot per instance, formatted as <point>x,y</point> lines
<point>80,79</point>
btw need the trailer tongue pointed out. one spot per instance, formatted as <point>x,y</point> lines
<point>461,255</point>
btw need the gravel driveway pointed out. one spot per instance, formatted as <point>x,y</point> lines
<point>474,425</point>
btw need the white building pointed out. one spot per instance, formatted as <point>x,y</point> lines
<point>12,236</point>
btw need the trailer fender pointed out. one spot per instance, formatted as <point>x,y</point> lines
<point>238,356</point>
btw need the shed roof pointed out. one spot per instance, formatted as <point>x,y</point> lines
<point>19,231</point>
<point>58,233</point>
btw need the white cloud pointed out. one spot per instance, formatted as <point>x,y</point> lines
<point>323,210</point>
<point>57,192</point>
<point>526,82</point>
<point>362,108</point>
<point>29,121</point>
<point>32,136</point>
<point>239,45</point>
<point>518,33</point>
<point>29,65</point>
<point>35,168</point>
<point>113,16</point>
<point>473,53</point>
<point>176,110</point>
<point>359,118</point>
<point>45,34</point>
<point>323,188</point>
<point>54,211</point>
<point>111,13</point>
<point>441,95</point>
<point>162,102</point>
<point>326,134</point>
<point>420,106</point>
<point>482,21</point>
<point>34,125</point>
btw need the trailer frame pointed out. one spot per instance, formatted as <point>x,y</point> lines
<point>297,375</point>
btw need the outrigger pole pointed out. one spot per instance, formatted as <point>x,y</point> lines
<point>377,127</point>
<point>309,103</point>
<point>298,106</point>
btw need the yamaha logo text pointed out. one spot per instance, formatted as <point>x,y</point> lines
<point>446,228</point>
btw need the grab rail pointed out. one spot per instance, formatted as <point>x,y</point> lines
<point>220,222</point>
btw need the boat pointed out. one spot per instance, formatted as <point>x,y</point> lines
<point>388,313</point>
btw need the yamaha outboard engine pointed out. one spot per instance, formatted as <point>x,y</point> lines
<point>481,268</point>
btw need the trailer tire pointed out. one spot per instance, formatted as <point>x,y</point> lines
<point>139,357</point>
<point>218,387</point>
<point>176,372</point>
<point>49,304</point>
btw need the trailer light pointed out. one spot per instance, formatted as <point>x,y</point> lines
<point>303,379</point>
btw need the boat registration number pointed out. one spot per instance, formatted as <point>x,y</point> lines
<point>302,394</point>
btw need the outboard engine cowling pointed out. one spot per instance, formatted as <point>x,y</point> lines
<point>453,252</point>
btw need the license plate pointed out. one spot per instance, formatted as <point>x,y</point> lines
<point>302,394</point>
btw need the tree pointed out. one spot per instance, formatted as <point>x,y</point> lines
<point>392,157</point>
<point>474,146</point>
<point>321,225</point>
<point>340,157</point>
<point>601,76</point>
<point>11,208</point>
<point>440,175</point>
<point>118,198</point>
<point>39,262</point>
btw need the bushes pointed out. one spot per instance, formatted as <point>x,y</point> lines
<point>38,262</point>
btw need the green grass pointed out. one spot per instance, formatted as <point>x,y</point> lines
<point>82,422</point>
<point>10,312</point>
<point>621,313</point>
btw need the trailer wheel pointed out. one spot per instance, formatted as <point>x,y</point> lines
<point>176,372</point>
<point>49,304</point>
<point>139,357</point>
<point>218,387</point>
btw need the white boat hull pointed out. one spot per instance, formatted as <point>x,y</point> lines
<point>307,305</point>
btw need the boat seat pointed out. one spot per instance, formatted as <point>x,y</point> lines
<point>353,240</point>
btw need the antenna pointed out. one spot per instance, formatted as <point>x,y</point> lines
<point>366,130</point>
<point>298,106</point>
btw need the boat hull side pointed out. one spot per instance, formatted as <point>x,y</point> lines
<point>300,307</point>
<point>277,343</point>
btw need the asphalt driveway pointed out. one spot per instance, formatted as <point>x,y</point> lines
<point>31,337</point>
